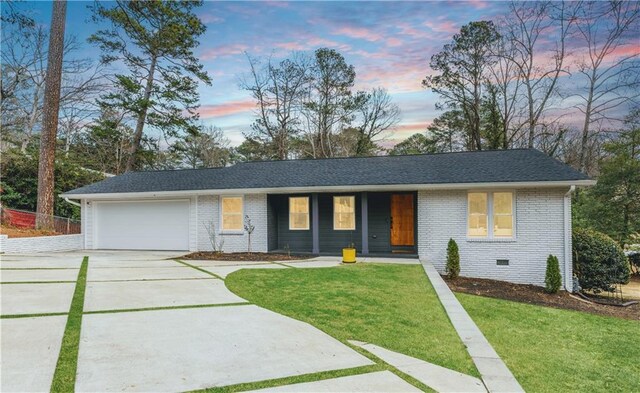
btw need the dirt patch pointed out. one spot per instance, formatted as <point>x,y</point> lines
<point>24,232</point>
<point>536,295</point>
<point>244,256</point>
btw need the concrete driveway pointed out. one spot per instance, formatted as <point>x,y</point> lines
<point>154,324</point>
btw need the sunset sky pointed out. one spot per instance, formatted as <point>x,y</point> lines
<point>389,43</point>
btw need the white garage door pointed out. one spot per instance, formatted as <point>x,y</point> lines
<point>143,225</point>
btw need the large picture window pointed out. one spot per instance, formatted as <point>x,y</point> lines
<point>344,213</point>
<point>232,213</point>
<point>490,214</point>
<point>298,213</point>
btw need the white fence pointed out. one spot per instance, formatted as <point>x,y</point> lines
<point>25,245</point>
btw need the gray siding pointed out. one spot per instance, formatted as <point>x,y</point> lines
<point>334,241</point>
<point>296,240</point>
<point>379,222</point>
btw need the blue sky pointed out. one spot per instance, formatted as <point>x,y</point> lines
<point>389,43</point>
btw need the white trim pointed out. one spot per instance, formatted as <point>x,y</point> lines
<point>490,236</point>
<point>568,253</point>
<point>308,213</point>
<point>197,234</point>
<point>357,188</point>
<point>221,216</point>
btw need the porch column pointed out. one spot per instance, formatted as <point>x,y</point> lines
<point>365,223</point>
<point>315,225</point>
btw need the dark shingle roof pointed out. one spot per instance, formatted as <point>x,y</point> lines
<point>524,165</point>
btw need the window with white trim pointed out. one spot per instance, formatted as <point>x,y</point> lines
<point>344,213</point>
<point>490,214</point>
<point>298,213</point>
<point>232,213</point>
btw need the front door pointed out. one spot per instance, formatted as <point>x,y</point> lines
<point>402,220</point>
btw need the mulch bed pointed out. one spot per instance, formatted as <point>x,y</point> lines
<point>244,256</point>
<point>14,232</point>
<point>536,295</point>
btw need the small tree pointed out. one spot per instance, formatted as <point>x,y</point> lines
<point>216,242</point>
<point>552,280</point>
<point>249,227</point>
<point>453,259</point>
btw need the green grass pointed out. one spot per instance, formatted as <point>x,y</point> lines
<point>552,350</point>
<point>64,378</point>
<point>393,306</point>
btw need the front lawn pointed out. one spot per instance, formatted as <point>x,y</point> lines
<point>552,350</point>
<point>393,306</point>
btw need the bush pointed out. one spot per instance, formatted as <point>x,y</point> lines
<point>552,280</point>
<point>598,261</point>
<point>453,259</point>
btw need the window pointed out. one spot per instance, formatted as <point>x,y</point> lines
<point>298,213</point>
<point>502,214</point>
<point>490,215</point>
<point>232,214</point>
<point>344,213</point>
<point>478,218</point>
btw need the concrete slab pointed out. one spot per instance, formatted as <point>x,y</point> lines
<point>496,375</point>
<point>224,271</point>
<point>123,254</point>
<point>308,264</point>
<point>121,295</point>
<point>196,348</point>
<point>439,378</point>
<point>382,381</point>
<point>35,298</point>
<point>144,273</point>
<point>25,275</point>
<point>35,263</point>
<point>122,263</point>
<point>30,349</point>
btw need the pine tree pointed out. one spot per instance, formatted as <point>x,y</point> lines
<point>453,259</point>
<point>552,279</point>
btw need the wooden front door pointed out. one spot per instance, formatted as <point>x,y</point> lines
<point>402,220</point>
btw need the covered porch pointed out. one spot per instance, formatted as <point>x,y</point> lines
<point>375,223</point>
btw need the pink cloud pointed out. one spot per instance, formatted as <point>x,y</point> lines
<point>392,41</point>
<point>210,19</point>
<point>445,26</point>
<point>223,50</point>
<point>308,42</point>
<point>358,32</point>
<point>226,109</point>
<point>408,30</point>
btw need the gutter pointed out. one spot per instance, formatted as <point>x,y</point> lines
<point>70,201</point>
<point>568,254</point>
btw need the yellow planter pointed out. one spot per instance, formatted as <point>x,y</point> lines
<point>348,255</point>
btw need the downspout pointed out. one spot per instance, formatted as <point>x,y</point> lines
<point>72,202</point>
<point>568,255</point>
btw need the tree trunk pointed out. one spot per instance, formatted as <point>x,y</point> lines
<point>142,117</point>
<point>585,130</point>
<point>44,218</point>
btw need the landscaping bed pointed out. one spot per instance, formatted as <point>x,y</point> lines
<point>244,256</point>
<point>536,295</point>
<point>14,232</point>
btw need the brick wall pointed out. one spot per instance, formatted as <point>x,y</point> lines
<point>255,206</point>
<point>539,232</point>
<point>25,245</point>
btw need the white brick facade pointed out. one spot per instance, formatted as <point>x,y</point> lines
<point>26,245</point>
<point>540,231</point>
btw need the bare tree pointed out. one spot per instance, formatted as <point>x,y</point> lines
<point>611,72</point>
<point>377,115</point>
<point>278,91</point>
<point>208,148</point>
<point>527,29</point>
<point>44,218</point>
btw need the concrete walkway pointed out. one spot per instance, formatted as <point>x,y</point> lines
<point>495,374</point>
<point>438,378</point>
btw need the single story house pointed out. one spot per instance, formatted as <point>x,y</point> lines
<point>507,209</point>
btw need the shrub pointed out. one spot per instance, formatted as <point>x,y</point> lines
<point>552,279</point>
<point>453,259</point>
<point>598,261</point>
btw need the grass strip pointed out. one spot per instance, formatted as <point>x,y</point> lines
<point>64,378</point>
<point>36,282</point>
<point>49,314</point>
<point>198,268</point>
<point>313,377</point>
<point>168,308</point>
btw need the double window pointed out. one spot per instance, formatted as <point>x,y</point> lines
<point>232,213</point>
<point>299,213</point>
<point>344,213</point>
<point>490,215</point>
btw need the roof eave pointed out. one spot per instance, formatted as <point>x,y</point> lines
<point>356,188</point>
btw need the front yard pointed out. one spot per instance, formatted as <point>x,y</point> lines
<point>394,306</point>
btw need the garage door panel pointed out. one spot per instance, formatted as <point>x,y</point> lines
<point>144,225</point>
